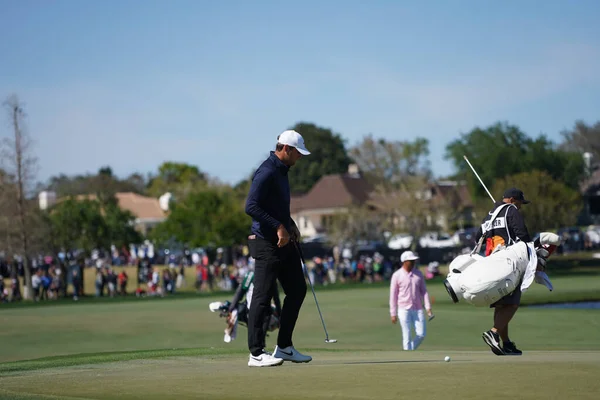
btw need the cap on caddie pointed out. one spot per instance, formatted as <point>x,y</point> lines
<point>515,194</point>
<point>293,139</point>
<point>408,256</point>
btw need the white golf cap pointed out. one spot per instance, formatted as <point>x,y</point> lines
<point>408,256</point>
<point>294,139</point>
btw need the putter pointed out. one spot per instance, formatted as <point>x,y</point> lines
<point>327,340</point>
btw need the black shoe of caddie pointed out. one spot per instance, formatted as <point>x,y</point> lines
<point>511,350</point>
<point>492,339</point>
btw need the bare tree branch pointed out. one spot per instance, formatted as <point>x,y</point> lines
<point>583,138</point>
<point>400,174</point>
<point>20,164</point>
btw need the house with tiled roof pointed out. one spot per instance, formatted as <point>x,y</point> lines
<point>458,203</point>
<point>148,211</point>
<point>333,194</point>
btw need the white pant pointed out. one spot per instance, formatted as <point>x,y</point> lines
<point>412,319</point>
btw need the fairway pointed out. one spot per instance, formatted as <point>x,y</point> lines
<point>174,348</point>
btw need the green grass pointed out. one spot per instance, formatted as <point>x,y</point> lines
<point>359,316</point>
<point>161,348</point>
<point>350,375</point>
<point>99,358</point>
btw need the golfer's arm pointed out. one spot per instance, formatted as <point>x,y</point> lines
<point>259,189</point>
<point>239,293</point>
<point>394,296</point>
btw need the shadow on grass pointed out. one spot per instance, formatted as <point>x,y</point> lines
<point>107,357</point>
<point>389,362</point>
<point>394,362</point>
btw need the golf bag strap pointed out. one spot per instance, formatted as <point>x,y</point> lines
<point>485,235</point>
<point>510,239</point>
<point>477,247</point>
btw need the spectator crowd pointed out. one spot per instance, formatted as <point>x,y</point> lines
<point>166,272</point>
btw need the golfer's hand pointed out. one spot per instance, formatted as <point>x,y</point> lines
<point>429,313</point>
<point>283,235</point>
<point>394,319</point>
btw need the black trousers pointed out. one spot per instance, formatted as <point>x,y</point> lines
<point>272,264</point>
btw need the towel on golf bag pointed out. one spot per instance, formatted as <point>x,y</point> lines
<point>542,278</point>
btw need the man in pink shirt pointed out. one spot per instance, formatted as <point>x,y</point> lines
<point>407,294</point>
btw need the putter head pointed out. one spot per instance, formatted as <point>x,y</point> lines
<point>330,340</point>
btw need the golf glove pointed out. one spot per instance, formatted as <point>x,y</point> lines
<point>542,255</point>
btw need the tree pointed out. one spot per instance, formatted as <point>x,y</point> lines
<point>553,204</point>
<point>400,174</point>
<point>583,138</point>
<point>242,188</point>
<point>102,184</point>
<point>136,183</point>
<point>79,224</point>
<point>328,156</point>
<point>208,218</point>
<point>9,228</point>
<point>179,179</point>
<point>64,185</point>
<point>88,224</point>
<point>8,212</point>
<point>105,186</point>
<point>356,223</point>
<point>16,152</point>
<point>502,150</point>
<point>119,224</point>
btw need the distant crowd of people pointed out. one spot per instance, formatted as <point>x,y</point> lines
<point>63,276</point>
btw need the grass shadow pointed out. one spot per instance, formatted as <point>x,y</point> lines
<point>391,362</point>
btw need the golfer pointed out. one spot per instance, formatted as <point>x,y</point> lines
<point>407,295</point>
<point>271,245</point>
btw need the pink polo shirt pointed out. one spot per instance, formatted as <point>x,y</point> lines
<point>407,291</point>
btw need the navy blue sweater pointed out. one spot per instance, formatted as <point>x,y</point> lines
<point>268,201</point>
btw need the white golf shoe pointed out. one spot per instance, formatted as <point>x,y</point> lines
<point>291,354</point>
<point>264,360</point>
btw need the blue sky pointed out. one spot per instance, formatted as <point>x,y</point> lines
<point>133,83</point>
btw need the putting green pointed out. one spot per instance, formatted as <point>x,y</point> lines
<point>331,375</point>
<point>154,349</point>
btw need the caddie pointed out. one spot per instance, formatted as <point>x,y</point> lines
<point>506,228</point>
<point>238,308</point>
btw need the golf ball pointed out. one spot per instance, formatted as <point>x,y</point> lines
<point>447,359</point>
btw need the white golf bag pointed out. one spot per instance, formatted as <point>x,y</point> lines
<point>239,316</point>
<point>482,281</point>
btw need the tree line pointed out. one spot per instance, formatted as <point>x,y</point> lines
<point>206,212</point>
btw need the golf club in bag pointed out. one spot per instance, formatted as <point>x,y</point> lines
<point>327,340</point>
